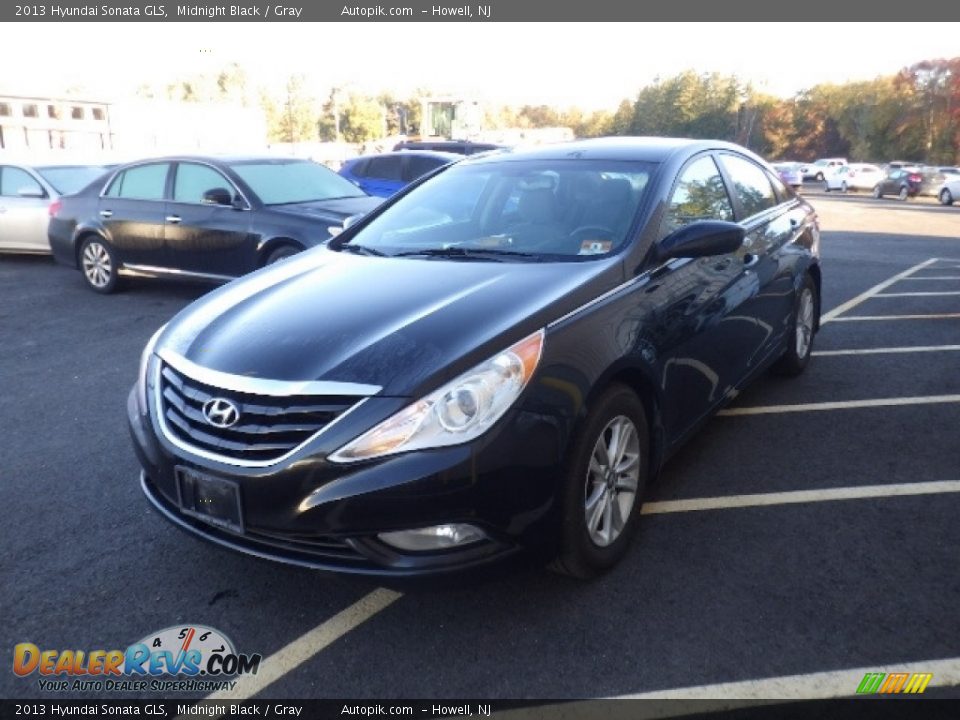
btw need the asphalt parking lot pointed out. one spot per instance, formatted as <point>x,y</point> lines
<point>804,537</point>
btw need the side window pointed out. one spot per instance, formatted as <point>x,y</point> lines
<point>419,165</point>
<point>359,168</point>
<point>144,182</point>
<point>783,192</point>
<point>193,181</point>
<point>13,180</point>
<point>700,195</point>
<point>750,184</point>
<point>384,168</point>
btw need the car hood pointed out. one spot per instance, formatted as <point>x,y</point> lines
<point>335,210</point>
<point>401,324</point>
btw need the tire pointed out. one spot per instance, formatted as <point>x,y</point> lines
<point>796,357</point>
<point>826,187</point>
<point>591,547</point>
<point>281,253</point>
<point>843,187</point>
<point>904,194</point>
<point>98,264</point>
<point>946,198</point>
<point>877,192</point>
<point>819,177</point>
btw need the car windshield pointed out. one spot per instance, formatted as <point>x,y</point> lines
<point>514,210</point>
<point>282,182</point>
<point>67,180</point>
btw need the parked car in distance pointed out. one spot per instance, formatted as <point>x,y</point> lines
<point>496,360</point>
<point>29,194</point>
<point>384,174</point>
<point>790,173</point>
<point>819,169</point>
<point>932,180</point>
<point>902,182</point>
<point>856,176</point>
<point>950,191</point>
<point>200,217</point>
<point>459,147</point>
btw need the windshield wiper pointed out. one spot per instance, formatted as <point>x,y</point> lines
<point>457,251</point>
<point>361,250</point>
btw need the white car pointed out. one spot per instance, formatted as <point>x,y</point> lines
<point>790,173</point>
<point>858,176</point>
<point>26,194</point>
<point>950,190</point>
<point>821,168</point>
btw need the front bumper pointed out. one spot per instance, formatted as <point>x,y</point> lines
<point>309,512</point>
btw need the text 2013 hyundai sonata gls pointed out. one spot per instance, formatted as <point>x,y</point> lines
<point>498,359</point>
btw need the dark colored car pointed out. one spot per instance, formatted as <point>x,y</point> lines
<point>497,359</point>
<point>902,182</point>
<point>200,217</point>
<point>384,174</point>
<point>458,147</point>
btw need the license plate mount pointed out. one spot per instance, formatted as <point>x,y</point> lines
<point>209,498</point>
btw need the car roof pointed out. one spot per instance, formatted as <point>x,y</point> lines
<point>646,149</point>
<point>436,154</point>
<point>222,159</point>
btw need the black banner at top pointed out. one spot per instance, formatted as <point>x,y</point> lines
<point>531,11</point>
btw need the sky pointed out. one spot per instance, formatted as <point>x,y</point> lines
<point>590,65</point>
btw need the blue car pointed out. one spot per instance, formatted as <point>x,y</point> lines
<point>384,174</point>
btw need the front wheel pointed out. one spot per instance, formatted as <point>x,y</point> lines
<point>946,198</point>
<point>877,192</point>
<point>803,326</point>
<point>98,263</point>
<point>820,177</point>
<point>281,253</point>
<point>843,187</point>
<point>903,194</point>
<point>603,485</point>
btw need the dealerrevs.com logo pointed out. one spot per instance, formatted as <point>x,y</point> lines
<point>186,658</point>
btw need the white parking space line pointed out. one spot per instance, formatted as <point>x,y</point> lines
<point>887,350</point>
<point>838,405</point>
<point>879,287</point>
<point>933,277</point>
<point>930,316</point>
<point>801,496</point>
<point>919,294</point>
<point>296,653</point>
<point>811,686</point>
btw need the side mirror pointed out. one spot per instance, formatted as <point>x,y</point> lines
<point>31,191</point>
<point>217,196</point>
<point>702,238</point>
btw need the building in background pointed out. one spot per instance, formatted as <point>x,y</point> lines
<point>103,131</point>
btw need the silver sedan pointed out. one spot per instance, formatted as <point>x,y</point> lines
<point>26,194</point>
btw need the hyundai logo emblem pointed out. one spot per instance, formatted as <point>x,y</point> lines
<point>220,412</point>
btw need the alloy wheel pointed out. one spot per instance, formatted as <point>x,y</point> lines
<point>613,477</point>
<point>97,266</point>
<point>804,332</point>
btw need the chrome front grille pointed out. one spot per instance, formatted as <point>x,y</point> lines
<point>268,426</point>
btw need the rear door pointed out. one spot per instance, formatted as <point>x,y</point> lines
<point>383,175</point>
<point>416,166</point>
<point>23,211</point>
<point>204,237</point>
<point>133,212</point>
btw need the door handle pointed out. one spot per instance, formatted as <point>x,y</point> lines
<point>794,222</point>
<point>106,213</point>
<point>173,219</point>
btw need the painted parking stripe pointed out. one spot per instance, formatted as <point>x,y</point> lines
<point>887,350</point>
<point>880,318</point>
<point>867,294</point>
<point>811,686</point>
<point>918,294</point>
<point>296,653</point>
<point>794,497</point>
<point>933,277</point>
<point>839,405</point>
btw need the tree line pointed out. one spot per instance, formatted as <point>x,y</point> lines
<point>912,115</point>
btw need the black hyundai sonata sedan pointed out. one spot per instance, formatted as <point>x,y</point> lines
<point>498,359</point>
<point>200,217</point>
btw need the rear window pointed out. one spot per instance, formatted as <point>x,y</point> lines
<point>283,182</point>
<point>68,180</point>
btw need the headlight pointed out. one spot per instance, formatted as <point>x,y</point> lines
<point>456,413</point>
<point>142,378</point>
